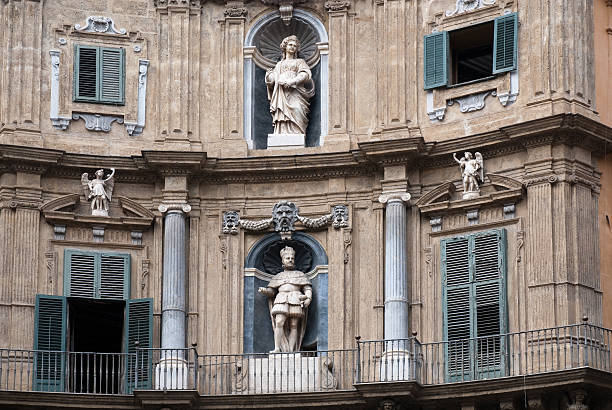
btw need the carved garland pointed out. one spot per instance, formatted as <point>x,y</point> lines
<point>284,215</point>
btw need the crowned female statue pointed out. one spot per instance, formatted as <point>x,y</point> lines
<point>290,88</point>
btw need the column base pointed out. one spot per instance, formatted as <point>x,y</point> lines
<point>171,374</point>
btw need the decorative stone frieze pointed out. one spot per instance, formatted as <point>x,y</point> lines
<point>465,6</point>
<point>99,24</point>
<point>472,102</point>
<point>177,3</point>
<point>337,5</point>
<point>284,216</point>
<point>97,122</point>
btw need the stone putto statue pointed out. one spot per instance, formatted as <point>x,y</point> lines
<point>289,295</point>
<point>290,88</point>
<point>99,191</point>
<point>472,172</point>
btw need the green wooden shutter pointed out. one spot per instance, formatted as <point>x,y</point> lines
<point>49,343</point>
<point>114,276</point>
<point>80,273</point>
<point>138,328</point>
<point>474,304</point>
<point>86,63</point>
<point>112,75</point>
<point>436,59</point>
<point>505,43</point>
<point>457,305</point>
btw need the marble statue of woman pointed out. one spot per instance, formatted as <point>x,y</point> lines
<point>290,88</point>
<point>99,191</point>
<point>289,295</point>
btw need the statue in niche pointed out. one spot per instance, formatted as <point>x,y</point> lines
<point>290,88</point>
<point>289,295</point>
<point>99,190</point>
<point>472,172</point>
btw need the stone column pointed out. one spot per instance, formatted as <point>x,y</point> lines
<point>172,370</point>
<point>397,307</point>
<point>396,363</point>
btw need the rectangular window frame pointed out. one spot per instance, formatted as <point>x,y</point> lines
<point>98,99</point>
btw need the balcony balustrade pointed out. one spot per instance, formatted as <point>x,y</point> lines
<point>371,361</point>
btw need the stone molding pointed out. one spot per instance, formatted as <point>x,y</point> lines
<point>99,25</point>
<point>164,4</point>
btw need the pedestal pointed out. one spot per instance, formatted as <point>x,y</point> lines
<point>471,194</point>
<point>397,365</point>
<point>171,374</point>
<point>289,373</point>
<point>286,141</point>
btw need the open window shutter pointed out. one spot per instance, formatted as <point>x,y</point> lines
<point>111,75</point>
<point>114,276</point>
<point>49,343</point>
<point>456,300</point>
<point>505,43</point>
<point>79,273</point>
<point>489,283</point>
<point>86,62</point>
<point>436,59</point>
<point>138,328</point>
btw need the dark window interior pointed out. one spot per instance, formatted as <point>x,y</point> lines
<point>471,53</point>
<point>95,326</point>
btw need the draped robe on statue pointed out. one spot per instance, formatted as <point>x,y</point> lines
<point>289,106</point>
<point>290,304</point>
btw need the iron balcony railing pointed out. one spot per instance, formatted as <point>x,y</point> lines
<point>371,361</point>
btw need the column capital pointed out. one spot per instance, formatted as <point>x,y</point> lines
<point>394,196</point>
<point>182,207</point>
<point>337,5</point>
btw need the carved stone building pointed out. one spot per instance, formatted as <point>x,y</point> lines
<point>422,296</point>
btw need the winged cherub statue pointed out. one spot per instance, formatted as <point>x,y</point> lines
<point>99,191</point>
<point>472,173</point>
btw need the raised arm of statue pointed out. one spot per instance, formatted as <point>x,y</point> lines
<point>457,159</point>
<point>111,174</point>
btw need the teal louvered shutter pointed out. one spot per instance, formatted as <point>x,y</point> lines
<point>457,302</point>
<point>112,63</point>
<point>49,343</point>
<point>474,303</point>
<point>114,276</point>
<point>80,273</point>
<point>490,302</point>
<point>436,59</point>
<point>138,328</point>
<point>505,42</point>
<point>86,63</point>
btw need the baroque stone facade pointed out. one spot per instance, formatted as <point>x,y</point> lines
<point>370,204</point>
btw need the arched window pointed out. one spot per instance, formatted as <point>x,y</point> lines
<point>262,52</point>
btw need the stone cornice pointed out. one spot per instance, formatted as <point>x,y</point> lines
<point>366,159</point>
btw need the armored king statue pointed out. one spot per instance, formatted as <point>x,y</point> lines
<point>289,295</point>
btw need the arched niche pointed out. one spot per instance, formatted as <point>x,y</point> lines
<point>262,259</point>
<point>262,51</point>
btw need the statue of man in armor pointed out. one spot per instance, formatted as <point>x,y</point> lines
<point>289,295</point>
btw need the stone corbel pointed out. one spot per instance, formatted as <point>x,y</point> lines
<point>136,128</point>
<point>97,122</point>
<point>472,102</point>
<point>435,114</point>
<point>100,24</point>
<point>285,8</point>
<point>509,97</point>
<point>59,122</point>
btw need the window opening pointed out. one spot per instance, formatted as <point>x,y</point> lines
<point>95,363</point>
<point>471,51</point>
<point>99,74</point>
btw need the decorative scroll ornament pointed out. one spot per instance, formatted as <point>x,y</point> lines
<point>472,102</point>
<point>285,8</point>
<point>337,5</point>
<point>99,24</point>
<point>284,216</point>
<point>472,173</point>
<point>464,6</point>
<point>97,122</point>
<point>235,11</point>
